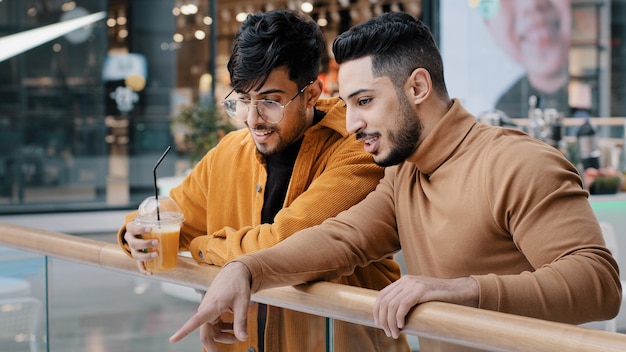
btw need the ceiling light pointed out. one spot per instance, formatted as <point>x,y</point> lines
<point>306,7</point>
<point>15,44</point>
<point>189,9</point>
<point>178,38</point>
<point>241,16</point>
<point>199,34</point>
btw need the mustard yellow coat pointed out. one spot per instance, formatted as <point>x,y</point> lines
<point>222,200</point>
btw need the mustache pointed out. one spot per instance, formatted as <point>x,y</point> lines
<point>263,128</point>
<point>362,135</point>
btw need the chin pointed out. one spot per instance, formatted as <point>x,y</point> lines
<point>266,149</point>
<point>381,161</point>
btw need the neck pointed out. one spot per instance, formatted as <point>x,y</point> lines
<point>430,112</point>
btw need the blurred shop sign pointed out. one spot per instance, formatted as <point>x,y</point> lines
<point>124,76</point>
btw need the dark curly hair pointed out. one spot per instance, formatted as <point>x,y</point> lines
<point>398,44</point>
<point>279,38</point>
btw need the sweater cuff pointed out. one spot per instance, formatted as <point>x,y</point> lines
<point>487,288</point>
<point>256,271</point>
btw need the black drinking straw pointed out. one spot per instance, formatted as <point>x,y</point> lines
<point>156,189</point>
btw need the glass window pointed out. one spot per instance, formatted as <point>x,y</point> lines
<point>84,112</point>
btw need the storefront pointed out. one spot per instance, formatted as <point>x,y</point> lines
<point>86,108</point>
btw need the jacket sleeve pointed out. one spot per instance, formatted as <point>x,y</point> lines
<point>348,175</point>
<point>120,233</point>
<point>575,278</point>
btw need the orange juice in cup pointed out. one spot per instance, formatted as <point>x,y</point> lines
<point>165,218</point>
<point>167,235</point>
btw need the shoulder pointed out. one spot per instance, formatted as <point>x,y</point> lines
<point>235,136</point>
<point>512,158</point>
<point>237,139</point>
<point>229,148</point>
<point>517,146</point>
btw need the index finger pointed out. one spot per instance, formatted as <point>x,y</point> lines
<point>190,325</point>
<point>135,229</point>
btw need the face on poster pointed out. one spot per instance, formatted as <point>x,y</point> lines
<point>498,52</point>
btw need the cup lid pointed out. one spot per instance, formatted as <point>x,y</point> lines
<point>169,211</point>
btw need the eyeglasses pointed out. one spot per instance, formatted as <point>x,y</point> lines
<point>269,110</point>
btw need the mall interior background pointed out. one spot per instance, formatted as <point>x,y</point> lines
<point>85,115</point>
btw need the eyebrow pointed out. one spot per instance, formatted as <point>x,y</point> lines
<point>265,92</point>
<point>357,92</point>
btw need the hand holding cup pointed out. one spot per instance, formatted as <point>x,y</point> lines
<point>159,246</point>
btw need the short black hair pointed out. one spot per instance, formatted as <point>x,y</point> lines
<point>278,38</point>
<point>397,44</point>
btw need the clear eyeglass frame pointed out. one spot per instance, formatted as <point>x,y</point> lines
<point>269,110</point>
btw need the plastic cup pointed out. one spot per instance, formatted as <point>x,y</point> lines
<point>165,219</point>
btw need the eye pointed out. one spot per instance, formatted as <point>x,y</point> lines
<point>363,101</point>
<point>271,104</point>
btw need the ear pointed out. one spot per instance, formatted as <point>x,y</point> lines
<point>420,85</point>
<point>313,92</point>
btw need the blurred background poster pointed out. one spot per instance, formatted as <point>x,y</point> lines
<point>497,53</point>
<point>476,70</point>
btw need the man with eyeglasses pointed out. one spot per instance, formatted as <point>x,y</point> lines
<point>292,167</point>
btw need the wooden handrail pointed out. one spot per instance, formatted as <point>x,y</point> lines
<point>577,121</point>
<point>487,330</point>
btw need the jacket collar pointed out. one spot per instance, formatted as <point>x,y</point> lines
<point>335,118</point>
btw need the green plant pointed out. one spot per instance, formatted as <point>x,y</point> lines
<point>201,126</point>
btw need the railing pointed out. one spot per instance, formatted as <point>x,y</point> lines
<point>578,121</point>
<point>488,330</point>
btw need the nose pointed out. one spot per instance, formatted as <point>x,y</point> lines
<point>253,116</point>
<point>354,124</point>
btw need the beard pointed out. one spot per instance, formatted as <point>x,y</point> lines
<point>404,136</point>
<point>285,136</point>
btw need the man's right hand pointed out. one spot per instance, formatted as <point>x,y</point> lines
<point>228,293</point>
<point>140,248</point>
